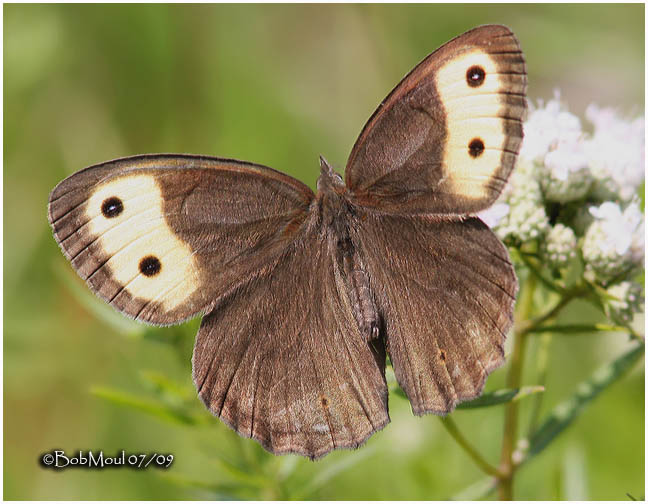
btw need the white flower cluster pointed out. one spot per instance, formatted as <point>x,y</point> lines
<point>524,195</point>
<point>628,298</point>
<point>575,193</point>
<point>614,242</point>
<point>616,154</point>
<point>554,143</point>
<point>559,247</point>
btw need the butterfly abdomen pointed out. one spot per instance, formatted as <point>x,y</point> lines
<point>358,290</point>
<point>364,305</point>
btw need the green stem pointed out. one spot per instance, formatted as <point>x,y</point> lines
<point>453,430</point>
<point>543,364</point>
<point>536,271</point>
<point>513,380</point>
<point>524,325</point>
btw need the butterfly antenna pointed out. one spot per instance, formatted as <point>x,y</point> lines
<point>325,167</point>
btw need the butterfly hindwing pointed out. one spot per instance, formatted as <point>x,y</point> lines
<point>446,138</point>
<point>446,294</point>
<point>283,360</point>
<point>161,238</point>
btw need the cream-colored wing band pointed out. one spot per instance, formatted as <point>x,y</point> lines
<point>146,257</point>
<point>473,94</point>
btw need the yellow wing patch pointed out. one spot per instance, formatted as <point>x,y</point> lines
<point>146,256</point>
<point>471,91</point>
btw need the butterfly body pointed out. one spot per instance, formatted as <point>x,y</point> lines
<point>337,215</point>
<point>304,294</point>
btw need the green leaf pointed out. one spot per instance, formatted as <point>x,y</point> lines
<point>166,387</point>
<point>333,470</point>
<point>241,475</point>
<point>399,392</point>
<point>477,491</point>
<point>601,292</point>
<point>501,396</point>
<point>287,465</point>
<point>154,408</point>
<point>493,398</point>
<point>566,412</point>
<point>220,491</point>
<point>578,329</point>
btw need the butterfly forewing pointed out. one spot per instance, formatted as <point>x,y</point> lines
<point>446,138</point>
<point>161,238</point>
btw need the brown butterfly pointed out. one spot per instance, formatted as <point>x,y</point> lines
<point>304,294</point>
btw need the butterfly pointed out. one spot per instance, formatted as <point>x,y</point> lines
<point>304,294</point>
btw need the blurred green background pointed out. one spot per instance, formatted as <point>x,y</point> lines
<point>277,85</point>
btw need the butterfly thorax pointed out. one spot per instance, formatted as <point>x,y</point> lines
<point>336,218</point>
<point>329,180</point>
<point>332,202</point>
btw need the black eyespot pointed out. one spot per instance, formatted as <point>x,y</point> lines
<point>476,147</point>
<point>150,266</point>
<point>475,76</point>
<point>112,207</point>
<point>442,355</point>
